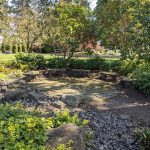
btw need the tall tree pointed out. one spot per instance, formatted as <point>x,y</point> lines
<point>124,25</point>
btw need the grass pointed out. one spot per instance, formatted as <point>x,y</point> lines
<point>6,57</point>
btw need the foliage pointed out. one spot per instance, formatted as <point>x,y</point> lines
<point>142,78</point>
<point>127,67</point>
<point>21,129</point>
<point>5,71</point>
<point>65,117</point>
<point>144,138</point>
<point>66,146</point>
<point>32,61</point>
<point>70,21</point>
<point>89,64</point>
<point>124,25</point>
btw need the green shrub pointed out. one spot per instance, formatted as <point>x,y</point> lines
<point>127,67</point>
<point>32,61</point>
<point>65,117</point>
<point>144,137</point>
<point>89,64</point>
<point>21,129</point>
<point>142,78</point>
<point>56,62</point>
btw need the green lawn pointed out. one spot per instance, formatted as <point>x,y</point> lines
<point>6,57</point>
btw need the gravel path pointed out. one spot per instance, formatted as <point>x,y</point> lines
<point>111,132</point>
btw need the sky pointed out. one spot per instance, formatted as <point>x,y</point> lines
<point>93,3</point>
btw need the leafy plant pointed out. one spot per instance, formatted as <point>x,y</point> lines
<point>32,61</point>
<point>127,67</point>
<point>142,78</point>
<point>21,129</point>
<point>144,137</point>
<point>89,64</point>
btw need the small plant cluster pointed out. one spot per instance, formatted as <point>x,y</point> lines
<point>142,76</point>
<point>139,70</point>
<point>5,71</point>
<point>144,137</point>
<point>21,129</point>
<point>32,61</point>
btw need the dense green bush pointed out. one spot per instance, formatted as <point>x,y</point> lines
<point>142,78</point>
<point>144,137</point>
<point>89,64</point>
<point>32,61</point>
<point>21,129</point>
<point>127,67</point>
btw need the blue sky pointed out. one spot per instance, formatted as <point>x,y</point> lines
<point>93,3</point>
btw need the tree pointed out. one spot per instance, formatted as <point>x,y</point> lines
<point>124,25</point>
<point>29,22</point>
<point>71,20</point>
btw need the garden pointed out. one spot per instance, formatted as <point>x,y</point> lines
<point>74,76</point>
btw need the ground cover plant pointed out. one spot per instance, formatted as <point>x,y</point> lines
<point>23,129</point>
<point>144,137</point>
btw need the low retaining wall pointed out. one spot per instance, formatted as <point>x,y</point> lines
<point>71,73</point>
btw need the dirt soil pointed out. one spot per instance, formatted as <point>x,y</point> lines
<point>99,95</point>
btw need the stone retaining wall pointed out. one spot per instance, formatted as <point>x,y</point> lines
<point>71,73</point>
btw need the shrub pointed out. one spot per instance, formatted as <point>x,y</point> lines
<point>127,67</point>
<point>55,62</point>
<point>142,78</point>
<point>89,64</point>
<point>32,61</point>
<point>21,129</point>
<point>144,137</point>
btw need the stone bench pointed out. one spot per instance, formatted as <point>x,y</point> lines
<point>71,72</point>
<point>108,76</point>
<point>56,72</point>
<point>29,76</point>
<point>78,73</point>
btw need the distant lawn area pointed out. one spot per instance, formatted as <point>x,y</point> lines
<point>6,57</point>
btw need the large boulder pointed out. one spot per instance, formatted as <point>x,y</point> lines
<point>29,76</point>
<point>71,100</point>
<point>63,134</point>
